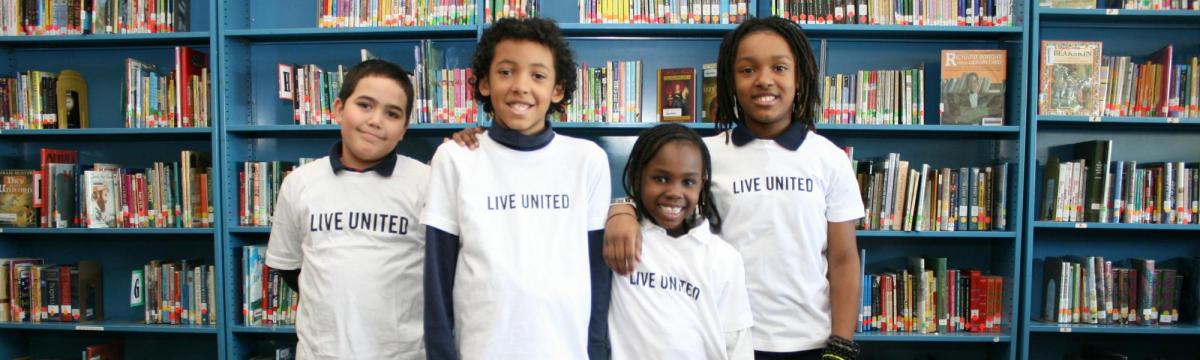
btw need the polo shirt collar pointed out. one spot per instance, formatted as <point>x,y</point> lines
<point>698,233</point>
<point>790,139</point>
<point>383,168</point>
<point>518,141</point>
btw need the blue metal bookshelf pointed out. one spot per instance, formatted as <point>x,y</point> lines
<point>1134,33</point>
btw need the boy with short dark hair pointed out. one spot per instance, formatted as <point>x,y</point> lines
<point>513,266</point>
<point>349,220</point>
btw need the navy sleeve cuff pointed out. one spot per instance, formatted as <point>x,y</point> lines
<point>598,346</point>
<point>441,258</point>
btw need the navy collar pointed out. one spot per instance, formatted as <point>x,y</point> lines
<point>383,168</point>
<point>518,141</point>
<point>790,139</point>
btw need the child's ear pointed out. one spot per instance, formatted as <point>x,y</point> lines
<point>484,88</point>
<point>338,105</point>
<point>558,93</point>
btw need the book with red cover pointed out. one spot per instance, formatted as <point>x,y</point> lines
<point>188,63</point>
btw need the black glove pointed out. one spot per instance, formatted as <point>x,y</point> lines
<point>838,348</point>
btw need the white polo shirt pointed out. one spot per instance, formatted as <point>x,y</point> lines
<point>522,287</point>
<point>681,300</point>
<point>361,249</point>
<point>776,197</point>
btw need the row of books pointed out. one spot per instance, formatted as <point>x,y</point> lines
<point>928,297</point>
<point>311,91</point>
<point>179,292</point>
<point>901,198</point>
<point>1093,188</point>
<point>1076,79</point>
<point>1154,88</point>
<point>61,194</point>
<point>63,17</point>
<point>1123,4</point>
<point>30,100</point>
<point>897,12</point>
<point>33,291</point>
<point>258,188</point>
<point>177,99</point>
<point>266,299</point>
<point>878,97</point>
<point>497,9</point>
<point>612,92</point>
<point>442,95</point>
<point>663,11</point>
<point>372,13</point>
<point>1092,290</point>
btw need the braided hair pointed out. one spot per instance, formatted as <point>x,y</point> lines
<point>808,97</point>
<point>647,146</point>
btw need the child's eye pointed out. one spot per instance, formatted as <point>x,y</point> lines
<point>689,182</point>
<point>393,114</point>
<point>504,72</point>
<point>365,105</point>
<point>746,70</point>
<point>780,68</point>
<point>659,179</point>
<point>539,76</point>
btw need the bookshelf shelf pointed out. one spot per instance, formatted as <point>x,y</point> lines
<point>1134,33</point>
<point>937,234</point>
<point>110,326</point>
<point>116,134</point>
<point>1111,226</point>
<point>1116,122</point>
<point>287,329</point>
<point>646,30</point>
<point>1119,16</point>
<point>249,229</point>
<point>1180,329</point>
<point>1006,130</point>
<point>357,33</point>
<point>329,130</point>
<point>107,40</point>
<point>912,32</point>
<point>121,231</point>
<point>951,337</point>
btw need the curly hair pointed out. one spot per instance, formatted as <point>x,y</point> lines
<point>538,30</point>
<point>808,97</point>
<point>646,147</point>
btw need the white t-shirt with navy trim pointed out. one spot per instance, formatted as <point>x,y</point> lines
<point>776,204</point>
<point>522,288</point>
<point>361,249</point>
<point>681,299</point>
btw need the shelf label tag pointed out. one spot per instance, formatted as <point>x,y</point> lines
<point>89,328</point>
<point>135,289</point>
<point>995,339</point>
<point>1172,120</point>
<point>1081,225</point>
<point>1064,329</point>
<point>1110,12</point>
<point>1093,119</point>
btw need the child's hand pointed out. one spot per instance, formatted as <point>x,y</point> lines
<point>622,241</point>
<point>466,137</point>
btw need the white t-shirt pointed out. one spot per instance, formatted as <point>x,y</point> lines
<point>522,288</point>
<point>361,249</point>
<point>681,300</point>
<point>776,204</point>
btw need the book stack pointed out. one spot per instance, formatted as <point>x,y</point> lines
<point>901,197</point>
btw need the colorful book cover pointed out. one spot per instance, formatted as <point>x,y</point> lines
<point>676,92</point>
<point>973,87</point>
<point>16,198</point>
<point>1070,73</point>
<point>709,88</point>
